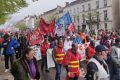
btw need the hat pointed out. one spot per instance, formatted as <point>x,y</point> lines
<point>117,40</point>
<point>6,36</point>
<point>100,48</point>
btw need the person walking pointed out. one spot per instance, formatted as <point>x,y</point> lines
<point>26,67</point>
<point>115,54</point>
<point>58,56</point>
<point>44,46</point>
<point>72,63</point>
<point>9,46</point>
<point>97,68</point>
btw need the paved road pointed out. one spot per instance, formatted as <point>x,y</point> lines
<point>44,75</point>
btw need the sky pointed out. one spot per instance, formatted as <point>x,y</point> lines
<point>33,8</point>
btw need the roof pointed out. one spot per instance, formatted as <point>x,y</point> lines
<point>70,4</point>
<point>50,11</point>
<point>76,2</point>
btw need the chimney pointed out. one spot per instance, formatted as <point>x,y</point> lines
<point>67,3</point>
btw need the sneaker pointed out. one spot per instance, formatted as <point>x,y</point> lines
<point>6,70</point>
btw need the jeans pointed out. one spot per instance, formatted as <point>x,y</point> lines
<point>75,78</point>
<point>44,63</point>
<point>7,58</point>
<point>116,75</point>
<point>58,71</point>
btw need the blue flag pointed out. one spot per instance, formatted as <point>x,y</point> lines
<point>65,20</point>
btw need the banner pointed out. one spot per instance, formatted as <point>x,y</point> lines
<point>81,50</point>
<point>60,31</point>
<point>35,37</point>
<point>47,28</point>
<point>65,20</point>
<point>37,52</point>
<point>50,61</point>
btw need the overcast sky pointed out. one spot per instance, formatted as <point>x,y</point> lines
<point>37,7</point>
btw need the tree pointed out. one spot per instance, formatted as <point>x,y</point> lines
<point>9,7</point>
<point>21,25</point>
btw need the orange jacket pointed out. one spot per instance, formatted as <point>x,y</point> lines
<point>72,62</point>
<point>59,54</point>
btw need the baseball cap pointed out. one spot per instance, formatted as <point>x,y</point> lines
<point>100,48</point>
<point>117,40</point>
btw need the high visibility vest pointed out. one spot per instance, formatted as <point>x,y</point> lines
<point>74,65</point>
<point>59,55</point>
<point>102,73</point>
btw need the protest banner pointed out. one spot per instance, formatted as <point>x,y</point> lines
<point>37,52</point>
<point>50,61</point>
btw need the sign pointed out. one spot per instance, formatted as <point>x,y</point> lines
<point>37,52</point>
<point>60,31</point>
<point>50,61</point>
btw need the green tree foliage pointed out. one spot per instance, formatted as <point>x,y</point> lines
<point>9,7</point>
<point>21,25</point>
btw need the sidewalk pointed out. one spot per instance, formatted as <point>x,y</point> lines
<point>3,75</point>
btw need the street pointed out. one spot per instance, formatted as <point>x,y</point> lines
<point>44,75</point>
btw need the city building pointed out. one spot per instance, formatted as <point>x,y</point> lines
<point>116,14</point>
<point>54,13</point>
<point>95,14</point>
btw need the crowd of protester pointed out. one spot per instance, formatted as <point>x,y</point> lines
<point>102,55</point>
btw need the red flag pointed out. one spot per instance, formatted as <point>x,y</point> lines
<point>47,28</point>
<point>51,28</point>
<point>71,27</point>
<point>35,37</point>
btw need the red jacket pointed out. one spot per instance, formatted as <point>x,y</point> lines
<point>44,47</point>
<point>72,62</point>
<point>90,52</point>
<point>59,54</point>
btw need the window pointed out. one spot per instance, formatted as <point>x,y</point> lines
<point>89,15</point>
<point>74,10</point>
<point>78,19</point>
<point>98,16</point>
<point>89,6</point>
<point>83,17</point>
<point>97,25</point>
<point>105,25</point>
<point>97,4</point>
<point>105,15</point>
<point>98,19</point>
<point>70,11</point>
<point>78,10</point>
<point>105,3</point>
<point>83,7</point>
<point>74,19</point>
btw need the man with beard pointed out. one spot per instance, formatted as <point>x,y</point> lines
<point>97,68</point>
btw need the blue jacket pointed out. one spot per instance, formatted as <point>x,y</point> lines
<point>10,48</point>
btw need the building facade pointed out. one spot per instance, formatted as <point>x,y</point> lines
<point>116,14</point>
<point>54,13</point>
<point>96,14</point>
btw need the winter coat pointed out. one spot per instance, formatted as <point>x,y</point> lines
<point>20,70</point>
